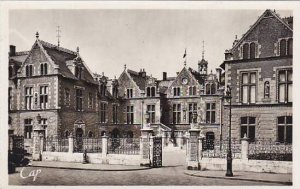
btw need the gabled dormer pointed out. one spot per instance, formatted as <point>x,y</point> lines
<point>185,84</point>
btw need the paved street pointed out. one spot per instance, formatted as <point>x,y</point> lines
<point>171,174</point>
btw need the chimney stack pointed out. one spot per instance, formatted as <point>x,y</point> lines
<point>164,76</point>
<point>12,50</point>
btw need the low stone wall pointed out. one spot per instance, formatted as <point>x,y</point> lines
<point>120,159</point>
<point>247,165</point>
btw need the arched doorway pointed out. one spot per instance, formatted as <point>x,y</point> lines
<point>78,147</point>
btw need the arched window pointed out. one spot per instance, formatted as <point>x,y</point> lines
<point>90,134</point>
<point>245,51</point>
<point>67,133</point>
<point>290,46</point>
<point>45,69</point>
<point>267,89</point>
<point>152,91</point>
<point>148,91</point>
<point>252,50</point>
<point>10,73</point>
<point>213,89</point>
<point>207,88</point>
<point>283,47</point>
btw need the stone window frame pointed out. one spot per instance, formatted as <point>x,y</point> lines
<point>42,69</point>
<point>239,81</point>
<point>192,90</point>
<point>151,112</point>
<point>115,91</point>
<point>256,50</point>
<point>191,111</point>
<point>82,89</point>
<point>210,84</point>
<point>177,112</point>
<point>103,111</point>
<point>29,70</point>
<point>129,111</point>
<point>278,46</point>
<point>177,91</point>
<point>115,113</point>
<point>44,94</point>
<point>211,111</point>
<point>151,90</point>
<point>285,125</point>
<point>129,93</point>
<point>28,126</point>
<point>27,96</point>
<point>286,69</point>
<point>248,125</point>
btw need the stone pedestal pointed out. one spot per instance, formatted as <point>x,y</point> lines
<point>145,146</point>
<point>193,150</point>
<point>71,143</point>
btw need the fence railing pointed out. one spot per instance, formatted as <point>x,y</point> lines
<point>129,146</point>
<point>56,144</point>
<point>267,149</point>
<point>90,145</point>
<point>219,148</point>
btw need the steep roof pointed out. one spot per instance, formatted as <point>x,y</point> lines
<point>197,75</point>
<point>60,55</point>
<point>138,78</point>
<point>19,57</point>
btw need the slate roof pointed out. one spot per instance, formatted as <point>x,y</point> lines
<point>60,55</point>
<point>197,76</point>
<point>138,79</point>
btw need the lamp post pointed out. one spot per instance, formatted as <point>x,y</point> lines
<point>229,173</point>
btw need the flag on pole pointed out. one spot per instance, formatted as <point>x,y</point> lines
<point>184,54</point>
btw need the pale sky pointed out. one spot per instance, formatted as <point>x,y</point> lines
<point>150,39</point>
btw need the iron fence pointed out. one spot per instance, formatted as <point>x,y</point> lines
<point>219,148</point>
<point>129,146</point>
<point>56,144</point>
<point>267,149</point>
<point>90,145</point>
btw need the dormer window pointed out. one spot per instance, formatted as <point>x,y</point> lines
<point>286,47</point>
<point>210,88</point>
<point>252,50</point>
<point>29,70</point>
<point>78,72</point>
<point>245,51</point>
<point>115,92</point>
<point>176,91</point>
<point>102,89</point>
<point>151,91</point>
<point>44,69</point>
<point>129,93</point>
<point>192,90</point>
<point>249,50</point>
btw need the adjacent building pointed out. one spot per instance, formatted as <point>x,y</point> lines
<point>259,70</point>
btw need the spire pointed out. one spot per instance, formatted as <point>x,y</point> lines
<point>37,35</point>
<point>203,50</point>
<point>58,36</point>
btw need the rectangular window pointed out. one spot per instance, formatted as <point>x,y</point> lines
<point>285,130</point>
<point>151,111</point>
<point>79,96</point>
<point>44,123</point>
<point>28,128</point>
<point>28,98</point>
<point>192,90</point>
<point>67,97</point>
<point>285,86</point>
<point>129,93</point>
<point>248,127</point>
<point>43,97</point>
<point>129,115</point>
<point>248,88</point>
<point>176,113</point>
<point>192,111</point>
<point>103,109</point>
<point>176,91</point>
<point>91,99</point>
<point>210,112</point>
<point>115,113</point>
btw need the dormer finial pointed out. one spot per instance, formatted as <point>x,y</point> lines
<point>124,66</point>
<point>37,35</point>
<point>77,49</point>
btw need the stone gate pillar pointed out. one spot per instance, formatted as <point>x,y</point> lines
<point>244,147</point>
<point>37,144</point>
<point>145,146</point>
<point>193,150</point>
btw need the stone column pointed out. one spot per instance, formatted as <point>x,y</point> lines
<point>145,146</point>
<point>244,147</point>
<point>36,154</point>
<point>193,150</point>
<point>71,143</point>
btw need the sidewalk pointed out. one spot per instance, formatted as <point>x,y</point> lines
<point>247,176</point>
<point>88,166</point>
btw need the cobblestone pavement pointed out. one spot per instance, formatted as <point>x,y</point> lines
<point>171,174</point>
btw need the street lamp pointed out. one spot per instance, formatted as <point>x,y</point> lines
<point>228,97</point>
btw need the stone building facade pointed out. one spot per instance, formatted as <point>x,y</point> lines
<point>259,69</point>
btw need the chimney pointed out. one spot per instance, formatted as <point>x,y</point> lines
<point>12,50</point>
<point>219,72</point>
<point>142,72</point>
<point>164,76</point>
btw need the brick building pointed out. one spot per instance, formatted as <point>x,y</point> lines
<point>54,83</point>
<point>258,68</point>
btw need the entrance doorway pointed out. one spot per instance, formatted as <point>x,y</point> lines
<point>78,145</point>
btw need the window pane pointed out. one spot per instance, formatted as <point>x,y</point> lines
<point>252,94</point>
<point>252,50</point>
<point>289,134</point>
<point>282,76</point>
<point>289,120</point>
<point>195,106</point>
<point>251,134</point>
<point>208,106</point>
<point>251,120</point>
<point>253,77</point>
<point>280,120</point>
<point>290,46</point>
<point>190,107</point>
<point>282,47</point>
<point>290,93</point>
<point>290,75</point>
<point>280,133</point>
<point>281,93</point>
<point>207,116</point>
<point>243,120</point>
<point>245,94</point>
<point>213,106</point>
<point>213,117</point>
<point>245,78</point>
<point>243,131</point>
<point>245,51</point>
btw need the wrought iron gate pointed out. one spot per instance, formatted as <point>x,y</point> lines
<point>157,152</point>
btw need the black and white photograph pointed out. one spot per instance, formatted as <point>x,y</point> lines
<point>148,94</point>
